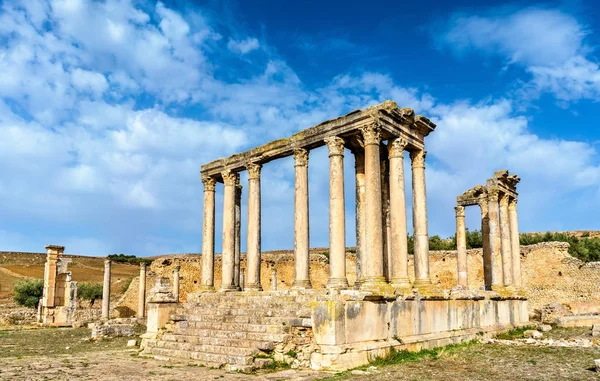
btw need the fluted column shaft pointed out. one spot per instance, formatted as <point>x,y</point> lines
<point>301,227</point>
<point>506,245</point>
<point>399,242</point>
<point>421,236</point>
<point>141,311</point>
<point>359,162</point>
<point>208,235</point>
<point>106,290</point>
<point>238,237</point>
<point>495,241</point>
<point>372,264</point>
<point>254,243</point>
<point>228,252</point>
<point>488,263</point>
<point>514,242</point>
<point>337,219</point>
<point>461,247</point>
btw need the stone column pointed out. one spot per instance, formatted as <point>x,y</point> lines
<point>495,241</point>
<point>238,231</point>
<point>301,237</point>
<point>208,236</point>
<point>372,260</point>
<point>274,280</point>
<point>461,247</point>
<point>421,235</point>
<point>386,238</point>
<point>228,252</point>
<point>505,242</point>
<point>514,242</point>
<point>141,312</point>
<point>399,242</point>
<point>337,219</point>
<point>359,164</point>
<point>254,244</point>
<point>176,282</point>
<point>488,263</point>
<point>106,291</point>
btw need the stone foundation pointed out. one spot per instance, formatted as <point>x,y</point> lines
<point>351,333</point>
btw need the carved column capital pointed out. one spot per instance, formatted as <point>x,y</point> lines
<point>209,183</point>
<point>300,157</point>
<point>504,200</point>
<point>493,194</point>
<point>460,211</point>
<point>253,170</point>
<point>335,145</point>
<point>230,178</point>
<point>371,134</point>
<point>483,204</point>
<point>418,158</point>
<point>512,204</point>
<point>396,147</point>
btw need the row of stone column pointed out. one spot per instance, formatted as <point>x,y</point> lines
<point>370,218</point>
<point>500,233</point>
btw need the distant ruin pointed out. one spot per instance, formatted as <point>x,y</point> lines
<point>59,298</point>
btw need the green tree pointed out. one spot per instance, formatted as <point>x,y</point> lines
<point>89,291</point>
<point>28,292</point>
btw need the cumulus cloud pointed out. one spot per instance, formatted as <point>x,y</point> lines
<point>243,46</point>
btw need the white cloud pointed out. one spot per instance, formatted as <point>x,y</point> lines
<point>243,46</point>
<point>88,81</point>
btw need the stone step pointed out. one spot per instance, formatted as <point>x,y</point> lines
<point>206,348</point>
<point>263,345</point>
<point>241,327</point>
<point>258,363</point>
<point>235,335</point>
<point>182,351</point>
<point>266,320</point>
<point>251,312</point>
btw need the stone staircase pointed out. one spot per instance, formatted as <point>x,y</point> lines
<point>234,330</point>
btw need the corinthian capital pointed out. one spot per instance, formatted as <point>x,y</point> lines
<point>335,145</point>
<point>209,183</point>
<point>371,134</point>
<point>230,178</point>
<point>253,170</point>
<point>300,157</point>
<point>483,204</point>
<point>493,194</point>
<point>396,147</point>
<point>460,211</point>
<point>418,158</point>
<point>504,200</point>
<point>512,204</point>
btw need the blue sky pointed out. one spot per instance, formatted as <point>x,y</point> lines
<point>108,109</point>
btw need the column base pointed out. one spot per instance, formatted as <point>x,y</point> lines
<point>253,287</point>
<point>424,286</point>
<point>376,285</point>
<point>205,288</point>
<point>228,288</point>
<point>337,283</point>
<point>301,284</point>
<point>400,282</point>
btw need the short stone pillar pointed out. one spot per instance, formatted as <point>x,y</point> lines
<point>274,280</point>
<point>176,275</point>
<point>106,290</point>
<point>161,305</point>
<point>141,312</point>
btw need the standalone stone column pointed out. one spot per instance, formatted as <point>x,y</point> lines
<point>421,235</point>
<point>359,165</point>
<point>505,239</point>
<point>106,291</point>
<point>372,260</point>
<point>274,280</point>
<point>301,237</point>
<point>461,247</point>
<point>176,282</point>
<point>228,252</point>
<point>238,232</point>
<point>488,263</point>
<point>141,312</point>
<point>337,219</point>
<point>208,236</point>
<point>254,247</point>
<point>399,242</point>
<point>495,241</point>
<point>514,242</point>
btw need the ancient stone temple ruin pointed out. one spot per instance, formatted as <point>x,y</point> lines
<point>500,231</point>
<point>59,298</point>
<point>344,325</point>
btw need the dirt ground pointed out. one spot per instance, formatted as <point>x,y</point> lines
<point>67,354</point>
